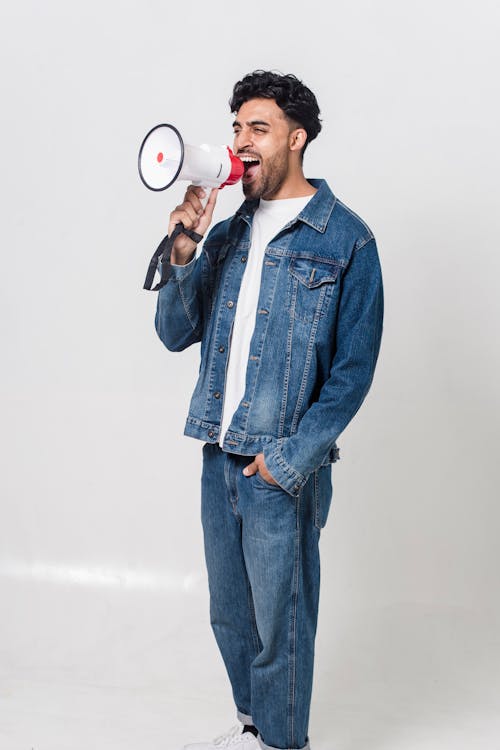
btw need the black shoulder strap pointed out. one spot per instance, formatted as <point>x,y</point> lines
<point>162,254</point>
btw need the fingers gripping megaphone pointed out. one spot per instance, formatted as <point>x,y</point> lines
<point>164,158</point>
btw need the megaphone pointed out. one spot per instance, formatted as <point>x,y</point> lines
<point>164,158</point>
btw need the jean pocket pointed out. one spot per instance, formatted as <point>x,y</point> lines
<point>259,479</point>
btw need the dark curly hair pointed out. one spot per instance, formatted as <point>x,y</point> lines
<point>291,95</point>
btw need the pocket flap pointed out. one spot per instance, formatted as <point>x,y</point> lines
<point>313,273</point>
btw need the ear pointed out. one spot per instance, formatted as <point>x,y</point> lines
<point>297,139</point>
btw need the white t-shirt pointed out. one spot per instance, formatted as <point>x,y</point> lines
<point>269,218</point>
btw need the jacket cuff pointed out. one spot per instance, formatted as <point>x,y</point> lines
<point>286,476</point>
<point>179,273</point>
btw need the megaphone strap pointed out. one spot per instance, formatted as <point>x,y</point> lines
<point>162,254</point>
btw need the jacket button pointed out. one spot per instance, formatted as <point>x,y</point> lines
<point>243,258</point>
<point>222,349</point>
<point>216,394</point>
<point>230,303</point>
<point>210,433</point>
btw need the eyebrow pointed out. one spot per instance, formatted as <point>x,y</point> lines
<point>252,122</point>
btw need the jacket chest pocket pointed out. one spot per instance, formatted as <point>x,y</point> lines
<point>311,283</point>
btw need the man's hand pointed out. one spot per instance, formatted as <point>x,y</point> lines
<point>193,216</point>
<point>259,465</point>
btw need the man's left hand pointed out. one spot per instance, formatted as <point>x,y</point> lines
<point>259,465</point>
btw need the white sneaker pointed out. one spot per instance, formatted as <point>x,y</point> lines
<point>234,738</point>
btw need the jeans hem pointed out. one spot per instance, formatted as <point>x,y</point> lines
<point>263,745</point>
<point>244,718</point>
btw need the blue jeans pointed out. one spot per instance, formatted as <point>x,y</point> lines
<point>262,556</point>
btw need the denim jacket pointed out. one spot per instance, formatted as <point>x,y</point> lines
<point>316,339</point>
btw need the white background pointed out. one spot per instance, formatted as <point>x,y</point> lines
<point>104,633</point>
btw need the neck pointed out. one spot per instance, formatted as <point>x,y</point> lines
<point>295,185</point>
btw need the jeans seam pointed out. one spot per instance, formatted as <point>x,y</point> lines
<point>253,619</point>
<point>317,520</point>
<point>233,499</point>
<point>293,628</point>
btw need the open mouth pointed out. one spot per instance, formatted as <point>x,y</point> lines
<point>251,165</point>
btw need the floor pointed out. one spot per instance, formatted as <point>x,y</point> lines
<point>89,669</point>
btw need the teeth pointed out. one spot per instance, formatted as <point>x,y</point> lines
<point>248,158</point>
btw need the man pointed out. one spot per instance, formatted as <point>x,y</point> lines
<point>286,299</point>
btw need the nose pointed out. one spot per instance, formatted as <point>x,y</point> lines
<point>243,140</point>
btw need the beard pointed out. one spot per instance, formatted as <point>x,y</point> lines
<point>269,178</point>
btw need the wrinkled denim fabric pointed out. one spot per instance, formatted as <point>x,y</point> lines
<point>316,339</point>
<point>261,549</point>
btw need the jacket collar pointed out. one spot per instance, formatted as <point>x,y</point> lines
<point>315,213</point>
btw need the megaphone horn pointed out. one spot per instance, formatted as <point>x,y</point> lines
<point>164,158</point>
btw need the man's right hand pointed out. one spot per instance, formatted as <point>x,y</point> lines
<point>193,216</point>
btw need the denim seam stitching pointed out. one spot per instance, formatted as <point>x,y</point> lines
<point>317,521</point>
<point>186,308</point>
<point>234,496</point>
<point>212,285</point>
<point>227,477</point>
<point>213,354</point>
<point>360,247</point>
<point>246,436</point>
<point>285,252</point>
<point>318,312</point>
<point>287,468</point>
<point>325,280</point>
<point>325,218</point>
<point>292,664</point>
<point>288,365</point>
<point>355,215</point>
<point>305,376</point>
<point>261,347</point>
<point>302,255</point>
<point>253,619</point>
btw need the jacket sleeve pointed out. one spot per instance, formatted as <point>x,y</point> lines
<point>179,309</point>
<point>290,460</point>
